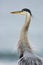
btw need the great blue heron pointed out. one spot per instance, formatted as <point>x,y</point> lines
<point>26,55</point>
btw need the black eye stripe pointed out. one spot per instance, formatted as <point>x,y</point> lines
<point>27,10</point>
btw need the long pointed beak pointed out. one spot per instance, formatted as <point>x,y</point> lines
<point>17,12</point>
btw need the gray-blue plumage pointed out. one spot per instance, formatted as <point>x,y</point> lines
<point>29,58</point>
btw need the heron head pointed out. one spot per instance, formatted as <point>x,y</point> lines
<point>24,11</point>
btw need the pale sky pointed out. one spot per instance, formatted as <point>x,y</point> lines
<point>10,25</point>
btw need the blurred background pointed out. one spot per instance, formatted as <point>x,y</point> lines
<point>10,26</point>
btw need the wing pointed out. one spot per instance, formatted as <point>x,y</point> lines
<point>26,60</point>
<point>30,61</point>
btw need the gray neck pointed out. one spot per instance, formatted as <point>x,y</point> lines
<point>23,43</point>
<point>23,35</point>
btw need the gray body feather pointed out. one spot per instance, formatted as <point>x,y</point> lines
<point>30,58</point>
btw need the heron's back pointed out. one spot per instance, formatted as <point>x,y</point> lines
<point>30,59</point>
